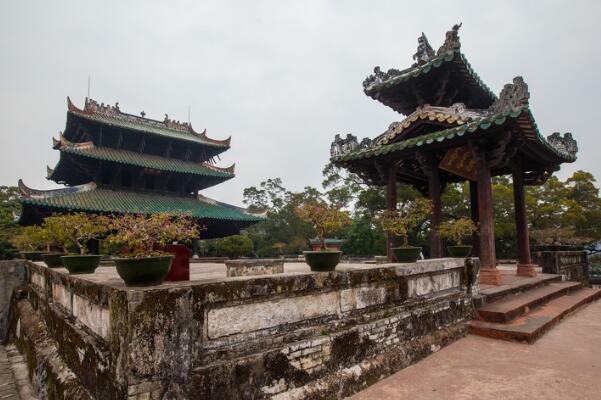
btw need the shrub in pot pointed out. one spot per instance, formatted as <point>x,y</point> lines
<point>324,218</point>
<point>56,240</point>
<point>31,242</point>
<point>457,230</point>
<point>398,222</point>
<point>555,238</point>
<point>79,229</point>
<point>140,236</point>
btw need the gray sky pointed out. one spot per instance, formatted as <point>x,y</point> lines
<point>281,77</point>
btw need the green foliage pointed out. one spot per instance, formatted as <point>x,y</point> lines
<point>363,237</point>
<point>456,230</point>
<point>324,218</point>
<point>9,208</point>
<point>140,234</point>
<point>409,214</point>
<point>56,232</point>
<point>79,228</point>
<point>30,238</point>
<point>573,204</point>
<point>234,246</point>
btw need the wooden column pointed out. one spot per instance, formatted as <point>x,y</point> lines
<point>475,217</point>
<point>434,190</point>
<point>525,266</point>
<point>489,274</point>
<point>391,206</point>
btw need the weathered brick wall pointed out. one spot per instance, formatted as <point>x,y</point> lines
<point>310,335</point>
<point>12,275</point>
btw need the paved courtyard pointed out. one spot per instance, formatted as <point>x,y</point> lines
<point>563,364</point>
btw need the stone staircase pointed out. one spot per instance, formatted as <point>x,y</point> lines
<point>526,310</point>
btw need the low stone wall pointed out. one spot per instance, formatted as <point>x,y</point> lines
<point>13,274</point>
<point>254,267</point>
<point>572,265</point>
<point>288,336</point>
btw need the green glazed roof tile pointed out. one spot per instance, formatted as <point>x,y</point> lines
<point>147,161</point>
<point>113,201</point>
<point>440,136</point>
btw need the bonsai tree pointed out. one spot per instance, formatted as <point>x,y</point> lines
<point>78,228</point>
<point>55,232</point>
<point>554,236</point>
<point>323,217</point>
<point>457,230</point>
<point>410,214</point>
<point>141,234</point>
<point>30,238</point>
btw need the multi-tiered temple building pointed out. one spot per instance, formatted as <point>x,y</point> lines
<point>455,129</point>
<point>114,162</point>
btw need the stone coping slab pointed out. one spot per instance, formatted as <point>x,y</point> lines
<point>212,273</point>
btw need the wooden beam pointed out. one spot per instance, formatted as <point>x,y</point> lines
<point>391,206</point>
<point>429,165</point>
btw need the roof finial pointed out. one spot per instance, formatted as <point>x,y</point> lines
<point>514,96</point>
<point>451,41</point>
<point>424,51</point>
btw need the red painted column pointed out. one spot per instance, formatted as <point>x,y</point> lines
<point>489,274</point>
<point>434,190</point>
<point>391,206</point>
<point>525,266</point>
<point>475,217</point>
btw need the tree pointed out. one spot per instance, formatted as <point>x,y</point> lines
<point>234,246</point>
<point>323,217</point>
<point>9,208</point>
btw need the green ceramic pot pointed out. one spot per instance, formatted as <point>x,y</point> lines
<point>406,254</point>
<point>32,255</point>
<point>78,264</point>
<point>459,251</point>
<point>322,260</point>
<point>145,271</point>
<point>53,260</point>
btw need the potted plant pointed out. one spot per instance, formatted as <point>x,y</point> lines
<point>78,230</point>
<point>140,236</point>
<point>558,239</point>
<point>457,230</point>
<point>56,240</point>
<point>324,219</point>
<point>31,242</point>
<point>398,223</point>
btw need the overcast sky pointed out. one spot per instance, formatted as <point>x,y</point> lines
<point>281,77</point>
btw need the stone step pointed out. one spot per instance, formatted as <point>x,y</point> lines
<point>508,308</point>
<point>495,293</point>
<point>529,327</point>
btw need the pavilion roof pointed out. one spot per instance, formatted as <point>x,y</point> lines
<point>90,198</point>
<point>455,115</point>
<point>437,79</point>
<point>113,116</point>
<point>523,116</point>
<point>89,150</point>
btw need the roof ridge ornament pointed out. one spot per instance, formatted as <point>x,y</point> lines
<point>424,52</point>
<point>565,143</point>
<point>513,97</point>
<point>349,144</point>
<point>451,42</point>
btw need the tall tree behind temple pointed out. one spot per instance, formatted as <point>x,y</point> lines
<point>9,207</point>
<point>574,203</point>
